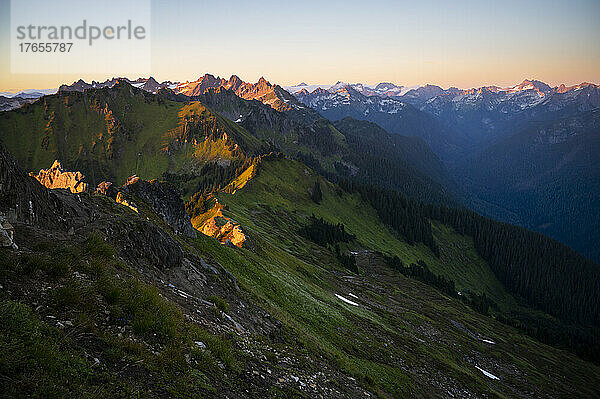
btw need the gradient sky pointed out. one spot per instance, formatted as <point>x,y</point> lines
<point>448,43</point>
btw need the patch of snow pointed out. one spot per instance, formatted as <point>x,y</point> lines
<point>352,295</point>
<point>487,341</point>
<point>309,88</point>
<point>487,374</point>
<point>406,89</point>
<point>348,301</point>
<point>182,293</point>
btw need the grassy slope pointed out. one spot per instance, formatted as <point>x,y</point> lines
<point>381,346</point>
<point>113,133</point>
<point>39,360</point>
<point>284,185</point>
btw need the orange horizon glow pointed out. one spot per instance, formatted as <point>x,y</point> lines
<point>28,83</point>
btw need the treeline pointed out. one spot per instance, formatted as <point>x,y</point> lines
<point>198,204</point>
<point>330,235</point>
<point>405,216</point>
<point>420,271</point>
<point>324,233</point>
<point>348,261</point>
<point>583,341</point>
<point>548,274</point>
<point>544,273</point>
<point>210,178</point>
<point>320,137</point>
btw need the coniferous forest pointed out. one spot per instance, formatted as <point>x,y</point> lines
<point>540,271</point>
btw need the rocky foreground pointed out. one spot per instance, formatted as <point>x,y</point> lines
<point>98,299</point>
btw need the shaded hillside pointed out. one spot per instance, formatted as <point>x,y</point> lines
<point>393,161</point>
<point>547,175</point>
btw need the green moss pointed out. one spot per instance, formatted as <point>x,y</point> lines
<point>35,359</point>
<point>95,246</point>
<point>220,303</point>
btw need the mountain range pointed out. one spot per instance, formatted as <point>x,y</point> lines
<point>467,127</point>
<point>459,125</point>
<point>220,238</point>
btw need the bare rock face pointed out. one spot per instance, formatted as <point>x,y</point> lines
<point>37,211</point>
<point>121,199</point>
<point>22,198</point>
<point>108,189</point>
<point>162,197</point>
<point>57,177</point>
<point>165,200</point>
<point>7,233</point>
<point>225,230</point>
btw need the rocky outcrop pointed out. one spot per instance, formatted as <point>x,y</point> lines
<point>165,200</point>
<point>22,198</point>
<point>213,224</point>
<point>7,233</point>
<point>108,189</point>
<point>142,240</point>
<point>57,177</point>
<point>121,199</point>
<point>225,230</point>
<point>39,214</point>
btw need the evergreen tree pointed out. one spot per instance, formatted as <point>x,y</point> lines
<point>316,195</point>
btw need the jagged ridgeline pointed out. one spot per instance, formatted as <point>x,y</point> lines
<point>112,133</point>
<point>200,142</point>
<point>346,149</point>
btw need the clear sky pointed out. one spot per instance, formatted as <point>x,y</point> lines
<point>448,43</point>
